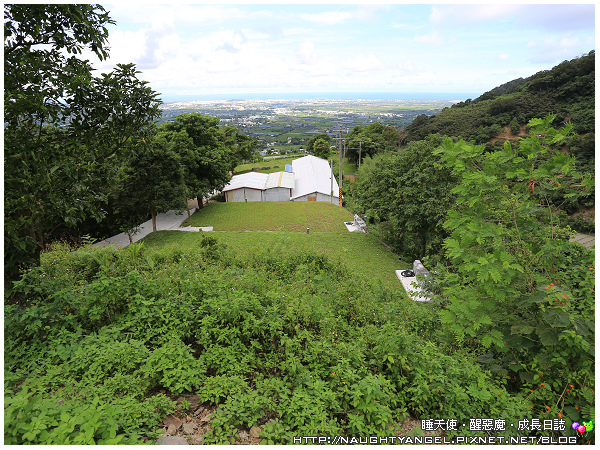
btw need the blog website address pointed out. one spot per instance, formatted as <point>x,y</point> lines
<point>428,440</point>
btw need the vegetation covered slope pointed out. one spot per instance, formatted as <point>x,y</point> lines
<point>294,342</point>
<point>568,91</point>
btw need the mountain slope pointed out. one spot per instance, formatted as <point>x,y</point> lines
<point>568,90</point>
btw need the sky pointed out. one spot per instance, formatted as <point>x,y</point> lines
<point>185,49</point>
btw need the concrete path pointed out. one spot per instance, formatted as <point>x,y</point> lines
<point>168,221</point>
<point>586,240</point>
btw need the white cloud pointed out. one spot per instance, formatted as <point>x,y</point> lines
<point>310,62</point>
<point>432,38</point>
<point>306,54</point>
<point>362,63</point>
<point>327,18</point>
<point>552,49</point>
<point>454,15</point>
<point>206,48</point>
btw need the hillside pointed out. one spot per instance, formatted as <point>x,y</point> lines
<point>566,90</point>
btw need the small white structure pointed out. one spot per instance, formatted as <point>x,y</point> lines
<point>411,284</point>
<point>260,187</point>
<point>314,180</point>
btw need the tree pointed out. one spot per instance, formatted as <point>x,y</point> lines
<point>152,182</point>
<point>515,128</point>
<point>205,157</point>
<point>65,130</point>
<point>311,142</point>
<point>370,140</point>
<point>516,285</point>
<point>407,195</point>
<point>241,147</point>
<point>321,149</point>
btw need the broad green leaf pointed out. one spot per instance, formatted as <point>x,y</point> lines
<point>522,329</point>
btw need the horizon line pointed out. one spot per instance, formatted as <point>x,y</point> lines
<point>347,95</point>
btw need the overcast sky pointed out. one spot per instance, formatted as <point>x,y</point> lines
<point>190,49</point>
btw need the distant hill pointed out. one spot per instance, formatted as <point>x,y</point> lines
<point>568,90</point>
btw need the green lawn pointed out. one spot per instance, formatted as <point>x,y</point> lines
<point>281,226</point>
<point>279,162</point>
<point>272,216</point>
<point>252,227</point>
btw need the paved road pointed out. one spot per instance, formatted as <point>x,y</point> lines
<point>586,240</point>
<point>168,221</point>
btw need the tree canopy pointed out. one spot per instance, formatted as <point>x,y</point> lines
<point>406,196</point>
<point>65,129</point>
<point>311,142</point>
<point>205,156</point>
<point>369,140</point>
<point>321,148</point>
<point>152,182</point>
<point>514,282</point>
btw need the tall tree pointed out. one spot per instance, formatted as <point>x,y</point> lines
<point>407,195</point>
<point>369,140</point>
<point>152,182</point>
<point>64,128</point>
<point>311,142</point>
<point>321,149</point>
<point>204,155</point>
<point>241,147</point>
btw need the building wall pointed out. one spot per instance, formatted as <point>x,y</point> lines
<point>244,194</point>
<point>278,194</point>
<point>316,197</point>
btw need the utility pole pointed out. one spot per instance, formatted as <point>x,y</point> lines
<point>331,176</point>
<point>341,152</point>
<point>359,151</point>
<point>341,172</point>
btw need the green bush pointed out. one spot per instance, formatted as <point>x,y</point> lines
<point>293,343</point>
<point>33,419</point>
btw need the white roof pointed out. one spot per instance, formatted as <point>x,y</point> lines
<point>251,180</point>
<point>313,175</point>
<point>261,181</point>
<point>280,179</point>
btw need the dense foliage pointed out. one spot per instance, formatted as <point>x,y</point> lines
<point>515,284</point>
<point>317,137</point>
<point>100,342</point>
<point>292,341</point>
<point>405,196</point>
<point>364,141</point>
<point>65,130</point>
<point>71,138</point>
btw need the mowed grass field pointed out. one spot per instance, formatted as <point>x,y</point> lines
<point>319,217</point>
<point>248,228</point>
<point>271,163</point>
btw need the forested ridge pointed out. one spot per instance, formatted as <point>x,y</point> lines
<point>240,339</point>
<point>567,91</point>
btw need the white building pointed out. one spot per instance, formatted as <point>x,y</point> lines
<point>314,180</point>
<point>310,179</point>
<point>260,187</point>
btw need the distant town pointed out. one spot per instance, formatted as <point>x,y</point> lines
<point>284,126</point>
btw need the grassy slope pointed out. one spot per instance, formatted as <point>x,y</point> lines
<point>287,223</point>
<point>272,216</point>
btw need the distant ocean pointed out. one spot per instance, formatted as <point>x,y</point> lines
<point>325,96</point>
